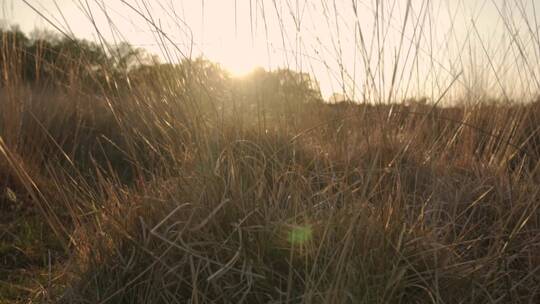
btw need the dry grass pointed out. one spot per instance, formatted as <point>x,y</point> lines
<point>367,204</point>
<point>192,189</point>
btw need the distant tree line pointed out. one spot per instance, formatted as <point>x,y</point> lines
<point>53,60</point>
<point>49,58</point>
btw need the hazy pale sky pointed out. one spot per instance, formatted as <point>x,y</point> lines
<point>368,47</point>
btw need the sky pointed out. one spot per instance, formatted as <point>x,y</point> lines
<point>376,49</point>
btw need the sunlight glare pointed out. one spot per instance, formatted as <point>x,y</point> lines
<point>239,69</point>
<point>239,58</point>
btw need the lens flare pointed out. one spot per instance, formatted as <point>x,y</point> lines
<point>300,235</point>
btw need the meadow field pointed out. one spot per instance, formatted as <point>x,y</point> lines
<point>127,180</point>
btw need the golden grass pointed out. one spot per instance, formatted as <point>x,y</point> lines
<point>186,186</point>
<point>157,202</point>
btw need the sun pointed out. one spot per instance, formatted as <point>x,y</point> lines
<point>239,64</point>
<point>239,70</point>
<point>240,58</point>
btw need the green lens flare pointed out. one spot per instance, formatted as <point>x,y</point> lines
<point>300,235</point>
